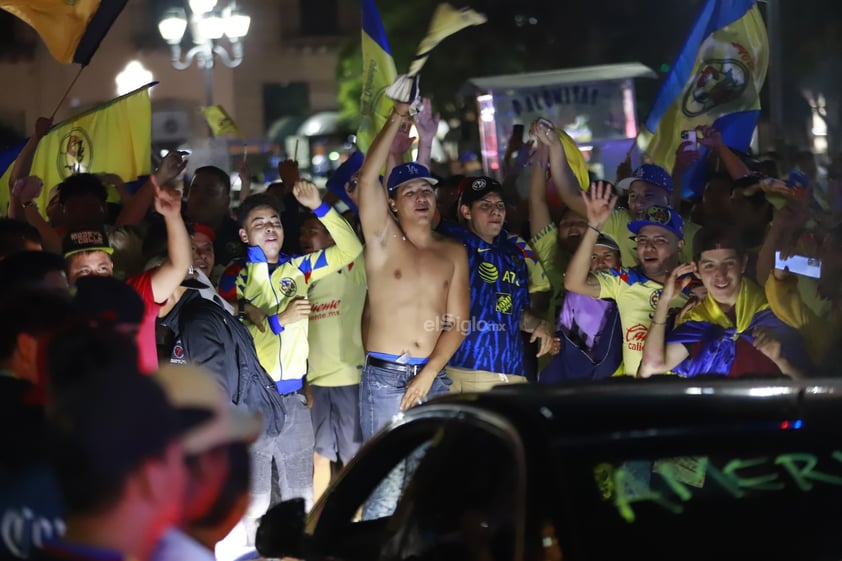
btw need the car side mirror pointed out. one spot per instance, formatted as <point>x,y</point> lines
<point>281,530</point>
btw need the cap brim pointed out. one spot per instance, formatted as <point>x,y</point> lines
<point>430,180</point>
<point>635,227</point>
<point>624,184</point>
<point>107,250</point>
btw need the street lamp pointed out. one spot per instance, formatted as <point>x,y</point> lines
<point>208,24</point>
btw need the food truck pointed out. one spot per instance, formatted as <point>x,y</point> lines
<point>595,105</point>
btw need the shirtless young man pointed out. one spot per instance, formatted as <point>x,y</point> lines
<point>418,290</point>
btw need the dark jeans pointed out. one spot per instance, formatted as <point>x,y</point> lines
<point>381,391</point>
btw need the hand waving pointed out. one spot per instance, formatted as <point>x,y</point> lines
<point>544,132</point>
<point>168,202</point>
<point>599,202</point>
<point>427,123</point>
<point>171,167</point>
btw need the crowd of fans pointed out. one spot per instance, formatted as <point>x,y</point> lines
<point>170,370</point>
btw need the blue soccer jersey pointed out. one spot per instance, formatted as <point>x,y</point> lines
<point>502,274</point>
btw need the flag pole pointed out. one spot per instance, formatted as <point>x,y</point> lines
<point>67,92</point>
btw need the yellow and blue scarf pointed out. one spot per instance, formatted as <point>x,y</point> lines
<point>709,325</point>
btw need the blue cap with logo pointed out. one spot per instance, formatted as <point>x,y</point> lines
<point>656,175</point>
<point>405,173</point>
<point>662,216</point>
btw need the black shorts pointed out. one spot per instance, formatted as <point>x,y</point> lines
<point>336,421</point>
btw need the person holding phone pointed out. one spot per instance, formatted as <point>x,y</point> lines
<point>732,332</point>
<point>822,332</point>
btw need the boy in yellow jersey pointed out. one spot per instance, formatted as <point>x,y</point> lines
<point>277,284</point>
<point>659,238</point>
<point>336,357</point>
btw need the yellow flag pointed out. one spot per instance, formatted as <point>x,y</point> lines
<point>446,21</point>
<point>220,122</point>
<point>716,80</point>
<point>71,29</point>
<point>575,159</point>
<point>115,137</point>
<point>378,73</point>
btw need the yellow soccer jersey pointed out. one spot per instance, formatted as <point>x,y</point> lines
<point>284,356</point>
<point>555,261</point>
<point>336,346</point>
<point>636,296</point>
<point>616,227</point>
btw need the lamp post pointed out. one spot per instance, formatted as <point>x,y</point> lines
<point>208,24</point>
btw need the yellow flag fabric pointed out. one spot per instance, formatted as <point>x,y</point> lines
<point>115,137</point>
<point>378,74</point>
<point>60,23</point>
<point>750,300</point>
<point>575,159</point>
<point>716,80</point>
<point>446,21</point>
<point>220,123</point>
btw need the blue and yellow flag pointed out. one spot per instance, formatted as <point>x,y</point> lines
<point>378,74</point>
<point>72,30</point>
<point>115,137</point>
<point>716,80</point>
<point>220,122</point>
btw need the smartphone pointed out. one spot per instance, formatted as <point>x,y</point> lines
<point>692,138</point>
<point>517,132</point>
<point>800,265</point>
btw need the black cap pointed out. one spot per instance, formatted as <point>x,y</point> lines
<point>85,240</point>
<point>475,188</point>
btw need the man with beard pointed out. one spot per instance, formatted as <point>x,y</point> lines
<point>660,238</point>
<point>732,332</point>
<point>648,186</point>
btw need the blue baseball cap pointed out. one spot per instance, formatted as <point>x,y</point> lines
<point>408,172</point>
<point>336,183</point>
<point>662,216</point>
<point>656,175</point>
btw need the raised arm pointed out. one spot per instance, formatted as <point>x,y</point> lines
<point>788,220</point>
<point>427,125</point>
<point>245,179</point>
<point>539,210</point>
<point>658,356</point>
<point>563,177</point>
<point>23,163</point>
<point>135,209</point>
<point>374,208</point>
<point>180,255</point>
<point>400,145</point>
<point>321,263</point>
<point>711,138</point>
<point>598,203</point>
<point>457,312</point>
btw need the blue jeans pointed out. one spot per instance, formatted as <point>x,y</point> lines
<point>381,391</point>
<point>282,465</point>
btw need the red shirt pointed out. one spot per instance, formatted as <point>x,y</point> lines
<point>147,347</point>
